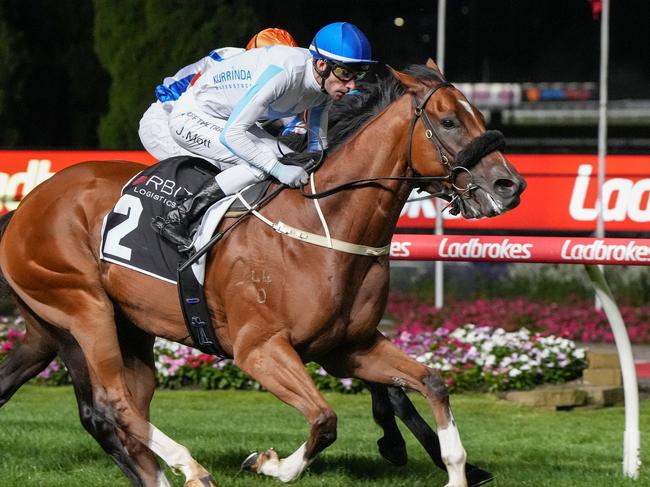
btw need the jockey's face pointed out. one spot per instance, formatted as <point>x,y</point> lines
<point>335,87</point>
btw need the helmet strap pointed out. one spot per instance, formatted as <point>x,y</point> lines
<point>324,74</point>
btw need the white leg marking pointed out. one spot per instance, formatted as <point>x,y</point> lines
<point>287,469</point>
<point>453,454</point>
<point>173,454</point>
<point>161,480</point>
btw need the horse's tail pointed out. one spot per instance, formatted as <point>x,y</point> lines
<point>4,221</point>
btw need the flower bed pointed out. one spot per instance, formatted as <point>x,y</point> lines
<point>181,366</point>
<point>468,357</point>
<point>491,359</point>
<point>577,321</point>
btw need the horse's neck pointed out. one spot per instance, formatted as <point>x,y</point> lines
<point>368,215</point>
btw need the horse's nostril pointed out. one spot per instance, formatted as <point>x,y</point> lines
<point>505,187</point>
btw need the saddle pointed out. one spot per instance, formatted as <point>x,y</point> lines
<point>129,240</point>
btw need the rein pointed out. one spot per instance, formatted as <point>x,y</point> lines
<point>467,158</point>
<point>364,182</point>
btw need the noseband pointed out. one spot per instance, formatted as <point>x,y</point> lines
<point>466,159</point>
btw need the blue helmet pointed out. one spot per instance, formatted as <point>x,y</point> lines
<point>343,43</point>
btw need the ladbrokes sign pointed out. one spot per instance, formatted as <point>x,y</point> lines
<point>520,249</point>
<point>14,185</point>
<point>561,193</point>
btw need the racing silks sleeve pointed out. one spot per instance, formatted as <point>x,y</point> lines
<point>270,85</point>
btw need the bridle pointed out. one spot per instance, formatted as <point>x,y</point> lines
<point>467,158</point>
<point>419,113</point>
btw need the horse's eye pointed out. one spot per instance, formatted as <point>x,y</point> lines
<point>448,124</point>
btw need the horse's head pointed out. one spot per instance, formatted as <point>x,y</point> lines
<point>447,137</point>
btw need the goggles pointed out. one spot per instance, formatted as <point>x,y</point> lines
<point>346,73</point>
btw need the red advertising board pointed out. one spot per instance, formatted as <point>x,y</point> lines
<point>561,193</point>
<point>22,171</point>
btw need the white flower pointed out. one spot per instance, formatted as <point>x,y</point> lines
<point>514,372</point>
<point>424,358</point>
<point>523,358</point>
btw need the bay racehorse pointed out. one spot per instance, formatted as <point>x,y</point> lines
<point>315,304</point>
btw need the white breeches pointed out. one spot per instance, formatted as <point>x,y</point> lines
<point>196,132</point>
<point>155,134</point>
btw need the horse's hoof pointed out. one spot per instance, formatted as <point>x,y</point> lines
<point>476,476</point>
<point>395,454</point>
<point>255,460</point>
<point>206,481</point>
<point>250,462</point>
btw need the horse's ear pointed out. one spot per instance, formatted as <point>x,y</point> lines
<point>432,64</point>
<point>406,80</point>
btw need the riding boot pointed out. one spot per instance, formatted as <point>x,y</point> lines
<point>175,226</point>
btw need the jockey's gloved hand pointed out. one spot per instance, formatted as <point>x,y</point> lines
<point>293,176</point>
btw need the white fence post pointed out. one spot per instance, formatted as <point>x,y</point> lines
<point>632,437</point>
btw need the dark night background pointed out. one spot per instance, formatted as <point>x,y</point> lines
<point>79,74</point>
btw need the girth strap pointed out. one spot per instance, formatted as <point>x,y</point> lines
<point>196,313</point>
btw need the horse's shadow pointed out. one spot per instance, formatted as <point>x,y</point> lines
<point>353,466</point>
<point>357,466</point>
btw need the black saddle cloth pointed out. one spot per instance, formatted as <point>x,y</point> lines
<point>128,238</point>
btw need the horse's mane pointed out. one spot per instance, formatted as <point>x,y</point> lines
<point>354,110</point>
<point>347,115</point>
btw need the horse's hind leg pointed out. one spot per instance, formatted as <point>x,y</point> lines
<point>139,362</point>
<point>400,405</point>
<point>135,460</point>
<point>28,359</point>
<point>382,362</point>
<point>39,348</point>
<point>108,408</point>
<point>114,403</point>
<point>391,446</point>
<point>278,368</point>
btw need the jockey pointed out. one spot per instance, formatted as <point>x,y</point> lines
<point>154,125</point>
<point>217,117</point>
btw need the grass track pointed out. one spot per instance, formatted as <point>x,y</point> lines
<point>43,444</point>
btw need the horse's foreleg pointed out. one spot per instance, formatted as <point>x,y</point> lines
<point>278,368</point>
<point>384,363</point>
